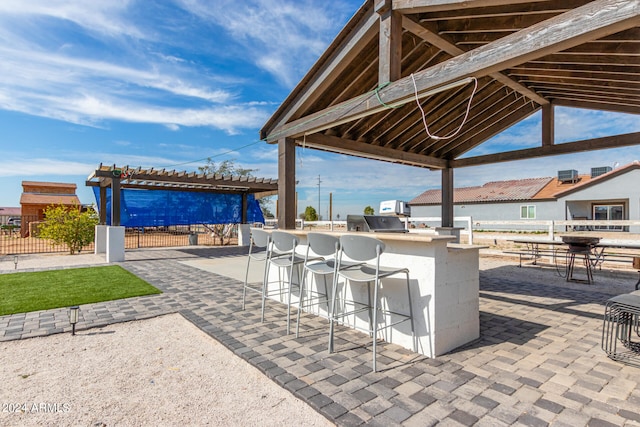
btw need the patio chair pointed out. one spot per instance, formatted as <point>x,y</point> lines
<point>363,249</point>
<point>326,247</point>
<point>282,255</point>
<point>621,323</point>
<point>258,251</point>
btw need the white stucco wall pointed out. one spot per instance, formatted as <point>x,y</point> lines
<point>545,210</point>
<point>622,189</point>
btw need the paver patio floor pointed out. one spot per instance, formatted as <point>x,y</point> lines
<point>538,360</point>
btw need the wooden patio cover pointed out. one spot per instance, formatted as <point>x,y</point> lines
<point>527,56</point>
<point>161,179</point>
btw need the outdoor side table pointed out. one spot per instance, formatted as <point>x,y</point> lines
<point>621,328</point>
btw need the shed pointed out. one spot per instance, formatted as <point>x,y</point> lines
<point>37,196</point>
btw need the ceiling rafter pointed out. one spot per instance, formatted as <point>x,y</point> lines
<point>552,150</point>
<point>453,50</point>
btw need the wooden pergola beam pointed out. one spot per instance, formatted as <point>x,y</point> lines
<point>339,145</point>
<point>594,20</point>
<point>365,31</point>
<point>432,38</point>
<point>171,180</point>
<point>552,150</point>
<point>423,6</point>
<point>602,105</point>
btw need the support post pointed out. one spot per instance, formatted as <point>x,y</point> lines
<point>115,244</point>
<point>286,184</point>
<point>115,202</point>
<point>100,240</point>
<point>244,234</point>
<point>447,197</point>
<point>330,206</point>
<point>390,50</point>
<point>102,209</point>
<point>547,125</point>
<point>244,208</point>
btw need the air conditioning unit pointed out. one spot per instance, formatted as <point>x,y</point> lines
<point>569,175</point>
<point>600,171</point>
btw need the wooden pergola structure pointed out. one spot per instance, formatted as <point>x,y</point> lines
<point>117,178</point>
<point>360,98</point>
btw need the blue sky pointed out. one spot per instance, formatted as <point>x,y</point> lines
<point>170,83</point>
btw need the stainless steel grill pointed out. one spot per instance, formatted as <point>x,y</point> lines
<point>375,223</point>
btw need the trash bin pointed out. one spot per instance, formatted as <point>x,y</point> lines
<point>193,239</point>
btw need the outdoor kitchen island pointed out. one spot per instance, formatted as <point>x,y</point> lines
<point>444,281</point>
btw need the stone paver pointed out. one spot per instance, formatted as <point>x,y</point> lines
<point>538,360</point>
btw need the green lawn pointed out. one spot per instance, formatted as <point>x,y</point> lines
<point>25,292</point>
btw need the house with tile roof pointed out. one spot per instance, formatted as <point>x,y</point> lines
<point>604,194</point>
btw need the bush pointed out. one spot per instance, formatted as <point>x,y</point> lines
<point>310,214</point>
<point>69,226</point>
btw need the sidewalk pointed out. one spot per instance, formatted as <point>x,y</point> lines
<point>538,360</point>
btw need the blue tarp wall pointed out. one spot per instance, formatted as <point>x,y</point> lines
<point>157,208</point>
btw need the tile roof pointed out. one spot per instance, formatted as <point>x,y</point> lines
<point>519,189</point>
<point>556,186</point>
<point>54,185</point>
<point>611,174</point>
<point>11,211</point>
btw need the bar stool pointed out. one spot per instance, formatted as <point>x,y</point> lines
<point>363,249</point>
<point>258,251</point>
<point>283,256</point>
<point>326,247</point>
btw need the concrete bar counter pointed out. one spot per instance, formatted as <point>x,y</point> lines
<point>444,290</point>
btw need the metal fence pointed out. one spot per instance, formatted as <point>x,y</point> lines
<point>179,235</point>
<point>20,237</point>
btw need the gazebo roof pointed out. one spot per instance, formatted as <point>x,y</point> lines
<point>360,97</point>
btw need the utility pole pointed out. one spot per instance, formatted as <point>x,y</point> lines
<point>319,197</point>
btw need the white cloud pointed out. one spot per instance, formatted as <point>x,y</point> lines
<point>572,124</point>
<point>128,84</point>
<point>105,16</point>
<point>43,166</point>
<point>229,119</point>
<point>284,37</point>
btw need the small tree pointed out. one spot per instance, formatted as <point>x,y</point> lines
<point>68,225</point>
<point>228,167</point>
<point>369,210</point>
<point>310,214</point>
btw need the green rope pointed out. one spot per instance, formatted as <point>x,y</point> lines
<point>377,91</point>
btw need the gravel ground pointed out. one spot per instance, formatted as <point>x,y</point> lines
<point>161,371</point>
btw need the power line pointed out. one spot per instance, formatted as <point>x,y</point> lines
<point>211,157</point>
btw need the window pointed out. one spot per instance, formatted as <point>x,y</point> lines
<point>608,213</point>
<point>527,212</point>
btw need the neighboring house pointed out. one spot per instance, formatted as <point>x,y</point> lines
<point>7,213</point>
<point>37,196</point>
<point>605,194</point>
